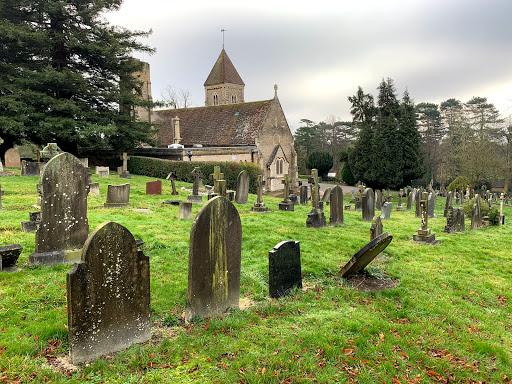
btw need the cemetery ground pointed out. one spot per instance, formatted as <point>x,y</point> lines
<point>444,317</point>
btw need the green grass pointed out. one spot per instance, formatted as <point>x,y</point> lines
<point>448,319</point>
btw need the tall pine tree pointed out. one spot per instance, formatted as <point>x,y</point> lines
<point>62,69</point>
<point>410,138</point>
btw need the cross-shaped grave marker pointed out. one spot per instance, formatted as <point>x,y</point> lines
<point>315,189</point>
<point>197,175</point>
<point>219,184</point>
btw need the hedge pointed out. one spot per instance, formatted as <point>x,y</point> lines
<point>160,168</point>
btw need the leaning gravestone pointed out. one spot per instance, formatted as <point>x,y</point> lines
<point>12,158</point>
<point>365,255</point>
<point>303,195</point>
<point>9,256</point>
<point>195,197</point>
<point>154,187</point>
<point>336,207</point>
<point>64,227</point>
<point>108,295</point>
<point>284,270</point>
<point>118,196</point>
<point>242,187</point>
<point>172,176</point>
<point>214,260</point>
<point>368,204</point>
<point>386,210</point>
<point>461,224</point>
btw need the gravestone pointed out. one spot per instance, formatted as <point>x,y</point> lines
<point>352,192</point>
<point>214,260</point>
<point>365,255</point>
<point>376,228</point>
<point>49,151</point>
<point>386,210</point>
<point>94,189</point>
<point>185,211</point>
<point>424,234</point>
<point>502,217</point>
<point>461,224</point>
<point>294,199</point>
<point>303,195</point>
<point>431,205</point>
<point>9,256</point>
<point>242,187</point>
<point>418,203</point>
<point>326,198</point>
<point>1,167</point>
<point>358,204</point>
<point>32,224</point>
<point>154,187</point>
<point>2,193</point>
<point>284,269</point>
<point>172,176</point>
<point>368,204</point>
<point>259,205</point>
<point>451,220</point>
<point>118,196</point>
<point>286,204</point>
<point>336,217</point>
<point>476,214</point>
<point>85,161</point>
<point>195,197</point>
<point>219,183</point>
<point>378,199</point>
<point>102,171</point>
<point>123,171</point>
<point>230,195</point>
<point>64,226</point>
<point>399,206</point>
<point>316,217</point>
<point>30,168</point>
<point>108,295</point>
<point>448,203</point>
<point>12,158</point>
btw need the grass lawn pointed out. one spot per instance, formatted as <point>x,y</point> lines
<point>447,320</point>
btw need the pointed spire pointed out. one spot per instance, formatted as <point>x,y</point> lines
<point>223,72</point>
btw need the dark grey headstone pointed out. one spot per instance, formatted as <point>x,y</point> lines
<point>448,203</point>
<point>378,199</point>
<point>118,196</point>
<point>30,168</point>
<point>242,187</point>
<point>172,202</point>
<point>64,226</point>
<point>451,220</point>
<point>368,204</point>
<point>108,295</point>
<point>9,255</point>
<point>336,198</point>
<point>304,195</point>
<point>365,255</point>
<point>214,260</point>
<point>284,268</point>
<point>418,203</point>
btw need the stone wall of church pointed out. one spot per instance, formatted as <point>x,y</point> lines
<point>225,93</point>
<point>220,154</point>
<point>144,76</point>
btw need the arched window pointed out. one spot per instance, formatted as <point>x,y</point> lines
<point>215,100</point>
<point>279,166</point>
<point>233,99</point>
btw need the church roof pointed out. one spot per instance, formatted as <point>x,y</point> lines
<point>223,72</point>
<point>219,125</point>
<point>274,153</point>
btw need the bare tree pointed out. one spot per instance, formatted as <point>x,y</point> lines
<point>176,98</point>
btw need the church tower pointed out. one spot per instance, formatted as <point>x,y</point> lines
<point>223,85</point>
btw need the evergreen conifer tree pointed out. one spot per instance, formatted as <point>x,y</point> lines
<point>410,138</point>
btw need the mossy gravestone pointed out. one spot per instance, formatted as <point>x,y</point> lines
<point>108,295</point>
<point>336,217</point>
<point>242,187</point>
<point>214,260</point>
<point>284,270</point>
<point>64,227</point>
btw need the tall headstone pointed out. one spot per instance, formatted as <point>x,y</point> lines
<point>399,206</point>
<point>431,205</point>
<point>476,214</point>
<point>376,227</point>
<point>409,200</point>
<point>108,295</point>
<point>2,193</point>
<point>418,202</point>
<point>123,171</point>
<point>424,234</point>
<point>64,226</point>
<point>118,196</point>
<point>336,217</point>
<point>259,205</point>
<point>461,224</point>
<point>12,158</point>
<point>368,205</point>
<point>502,217</point>
<point>242,187</point>
<point>286,204</point>
<point>154,187</point>
<point>316,217</point>
<point>448,203</point>
<point>304,195</point>
<point>214,260</point>
<point>195,197</point>
<point>378,199</point>
<point>386,210</point>
<point>284,269</point>
<point>172,176</point>
<point>451,220</point>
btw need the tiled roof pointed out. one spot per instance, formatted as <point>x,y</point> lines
<point>220,125</point>
<point>223,72</point>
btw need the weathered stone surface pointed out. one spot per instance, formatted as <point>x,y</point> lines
<point>294,199</point>
<point>316,217</point>
<point>64,226</point>
<point>259,205</point>
<point>85,161</point>
<point>286,204</point>
<point>448,203</point>
<point>108,295</point>
<point>2,193</point>
<point>424,235</point>
<point>1,166</point>
<point>476,214</point>
<point>365,255</point>
<point>49,151</point>
<point>12,158</point>
<point>336,198</point>
<point>410,199</point>
<point>368,204</point>
<point>378,199</point>
<point>31,226</point>
<point>242,187</point>
<point>418,203</point>
<point>214,260</point>
<point>172,177</point>
<point>399,206</point>
<point>154,187</point>
<point>451,220</point>
<point>118,196</point>
<point>461,224</point>
<point>230,195</point>
<point>431,205</point>
<point>123,171</point>
<point>284,269</point>
<point>94,189</point>
<point>185,210</point>
<point>376,228</point>
<point>304,195</point>
<point>102,171</point>
<point>326,198</point>
<point>386,210</point>
<point>30,168</point>
<point>9,255</point>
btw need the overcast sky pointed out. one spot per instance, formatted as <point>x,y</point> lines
<point>319,52</point>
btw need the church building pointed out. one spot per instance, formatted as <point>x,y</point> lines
<point>229,129</point>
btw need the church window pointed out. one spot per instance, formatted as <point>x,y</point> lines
<point>215,100</point>
<point>279,166</point>
<point>233,99</point>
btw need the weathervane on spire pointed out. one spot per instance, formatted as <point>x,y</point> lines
<point>223,30</point>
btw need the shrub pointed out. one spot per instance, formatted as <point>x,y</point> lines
<point>346,175</point>
<point>160,168</point>
<point>468,207</point>
<point>459,184</point>
<point>321,160</point>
